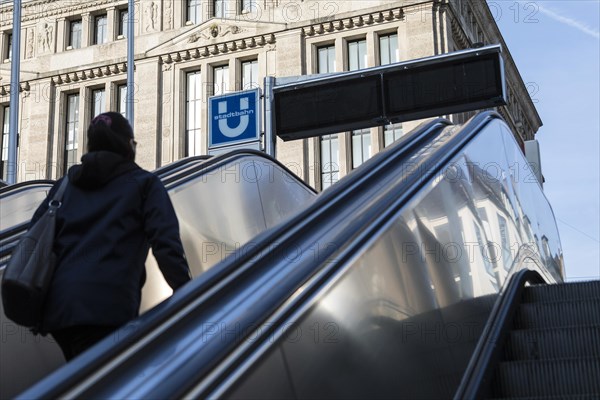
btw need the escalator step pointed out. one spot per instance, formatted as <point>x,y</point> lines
<point>544,344</point>
<point>563,291</point>
<point>558,314</point>
<point>549,378</point>
<point>573,397</point>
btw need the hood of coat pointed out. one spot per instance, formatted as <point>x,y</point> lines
<point>97,168</point>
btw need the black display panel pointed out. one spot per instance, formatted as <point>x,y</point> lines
<point>443,88</point>
<point>429,87</point>
<point>330,107</point>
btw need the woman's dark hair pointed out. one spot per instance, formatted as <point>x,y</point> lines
<point>110,131</point>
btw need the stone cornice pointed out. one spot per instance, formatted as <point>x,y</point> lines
<point>354,22</point>
<point>39,10</point>
<point>86,74</point>
<point>258,41</point>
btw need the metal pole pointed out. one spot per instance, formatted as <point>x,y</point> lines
<point>14,93</point>
<point>130,67</point>
<point>269,116</point>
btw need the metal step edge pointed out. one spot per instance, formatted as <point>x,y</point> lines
<point>558,314</point>
<point>548,378</point>
<point>553,343</point>
<point>562,291</point>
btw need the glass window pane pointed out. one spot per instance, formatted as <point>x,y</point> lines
<point>122,100</point>
<point>392,133</point>
<point>250,75</point>
<point>357,55</point>
<point>219,8</point>
<point>221,80</point>
<point>71,131</point>
<point>75,34</point>
<point>123,20</point>
<point>388,49</point>
<point>194,11</point>
<point>326,59</point>
<point>98,105</point>
<point>193,111</point>
<point>100,29</point>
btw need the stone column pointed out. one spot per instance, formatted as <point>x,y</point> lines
<point>112,21</point>
<point>87,29</point>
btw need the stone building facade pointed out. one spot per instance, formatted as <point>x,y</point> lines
<point>73,66</point>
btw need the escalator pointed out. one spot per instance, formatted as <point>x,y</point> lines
<point>384,286</point>
<point>544,342</point>
<point>221,202</point>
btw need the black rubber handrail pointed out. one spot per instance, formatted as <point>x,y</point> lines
<point>171,178</point>
<point>478,375</point>
<point>229,270</point>
<point>18,187</point>
<point>374,221</point>
<point>170,168</point>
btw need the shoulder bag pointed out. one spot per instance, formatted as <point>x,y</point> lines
<point>30,268</point>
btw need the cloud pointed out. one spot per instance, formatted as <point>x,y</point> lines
<point>581,26</point>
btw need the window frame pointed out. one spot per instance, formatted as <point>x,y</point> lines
<point>71,42</point>
<point>70,154</point>
<point>100,29</point>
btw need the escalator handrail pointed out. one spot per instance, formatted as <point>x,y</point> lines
<point>62,380</point>
<point>407,187</point>
<point>169,168</point>
<point>478,374</point>
<point>180,178</point>
<point>18,187</point>
<point>216,162</point>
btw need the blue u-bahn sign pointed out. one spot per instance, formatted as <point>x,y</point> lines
<point>234,119</point>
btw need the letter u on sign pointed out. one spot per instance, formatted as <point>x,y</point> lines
<point>244,119</point>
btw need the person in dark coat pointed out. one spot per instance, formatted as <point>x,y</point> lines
<point>112,212</point>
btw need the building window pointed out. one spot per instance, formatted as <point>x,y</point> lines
<point>325,59</point>
<point>71,131</point>
<point>193,114</point>
<point>392,133</point>
<point>122,100</point>
<point>5,135</point>
<point>123,21</point>
<point>388,49</point>
<point>100,29</point>
<point>250,75</point>
<point>220,80</point>
<point>330,160</point>
<point>330,149</point>
<point>361,146</point>
<point>247,5</point>
<point>194,11</point>
<point>75,34</point>
<point>357,54</point>
<point>218,10</point>
<point>8,47</point>
<point>98,105</point>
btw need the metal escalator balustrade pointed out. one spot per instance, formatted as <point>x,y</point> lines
<point>210,228</point>
<point>109,357</point>
<point>347,278</point>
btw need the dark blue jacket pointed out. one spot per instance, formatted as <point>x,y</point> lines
<point>111,212</point>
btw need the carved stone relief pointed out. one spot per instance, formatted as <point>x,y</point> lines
<point>214,31</point>
<point>168,15</point>
<point>30,45</point>
<point>151,16</point>
<point>45,37</point>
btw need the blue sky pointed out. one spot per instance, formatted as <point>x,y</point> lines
<point>555,45</point>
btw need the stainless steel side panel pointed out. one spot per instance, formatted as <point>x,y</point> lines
<point>217,211</point>
<point>402,319</point>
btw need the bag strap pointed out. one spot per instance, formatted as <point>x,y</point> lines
<point>56,200</point>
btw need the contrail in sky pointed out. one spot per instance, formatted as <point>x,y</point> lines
<point>571,22</point>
